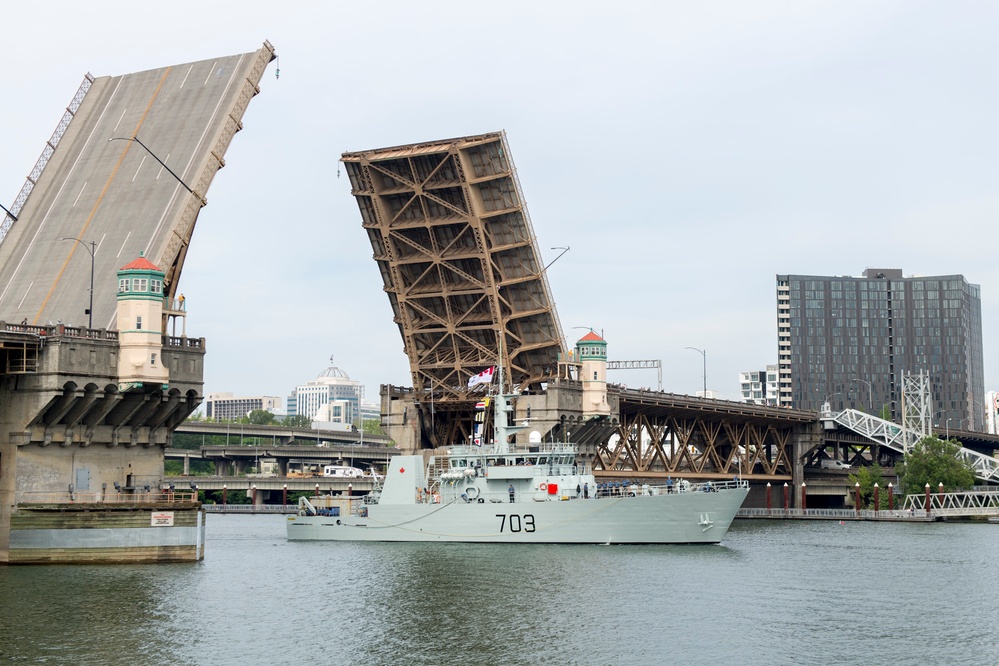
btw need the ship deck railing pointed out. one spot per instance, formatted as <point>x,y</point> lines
<point>456,493</point>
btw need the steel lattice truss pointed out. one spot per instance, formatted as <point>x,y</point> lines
<point>650,445</point>
<point>971,503</point>
<point>901,439</point>
<point>459,262</point>
<point>917,404</point>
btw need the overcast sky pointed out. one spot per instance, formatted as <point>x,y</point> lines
<point>687,152</point>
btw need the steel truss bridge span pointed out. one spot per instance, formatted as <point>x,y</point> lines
<point>666,434</point>
<point>954,505</point>
<point>459,261</point>
<point>900,439</point>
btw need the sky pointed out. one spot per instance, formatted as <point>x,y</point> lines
<point>685,152</point>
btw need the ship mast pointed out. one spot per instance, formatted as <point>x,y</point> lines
<point>501,430</point>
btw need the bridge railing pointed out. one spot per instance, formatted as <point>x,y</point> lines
<point>833,514</point>
<point>47,152</point>
<point>195,343</point>
<point>29,498</point>
<point>251,508</point>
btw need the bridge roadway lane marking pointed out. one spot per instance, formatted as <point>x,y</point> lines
<point>100,198</point>
<point>31,243</point>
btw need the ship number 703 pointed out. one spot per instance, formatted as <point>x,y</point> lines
<point>515,524</point>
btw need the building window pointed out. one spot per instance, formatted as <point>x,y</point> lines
<point>139,284</point>
<point>152,359</point>
<point>155,286</point>
<point>594,375</point>
<point>138,323</point>
<point>123,285</point>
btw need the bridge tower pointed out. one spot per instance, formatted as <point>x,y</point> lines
<point>140,321</point>
<point>591,350</point>
<point>461,266</point>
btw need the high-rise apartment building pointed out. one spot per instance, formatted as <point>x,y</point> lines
<point>759,387</point>
<point>850,339</point>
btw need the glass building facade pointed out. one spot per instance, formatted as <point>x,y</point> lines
<point>850,339</point>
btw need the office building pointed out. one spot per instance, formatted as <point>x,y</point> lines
<point>850,339</point>
<point>227,407</point>
<point>332,397</point>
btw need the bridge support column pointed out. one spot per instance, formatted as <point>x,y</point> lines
<point>809,437</point>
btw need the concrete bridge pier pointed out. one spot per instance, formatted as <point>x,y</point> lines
<point>809,437</point>
<point>81,456</point>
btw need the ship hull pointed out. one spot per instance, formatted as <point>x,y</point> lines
<point>674,518</point>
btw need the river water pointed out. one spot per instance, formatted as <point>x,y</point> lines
<point>775,592</point>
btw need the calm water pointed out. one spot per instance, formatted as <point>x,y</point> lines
<point>774,593</point>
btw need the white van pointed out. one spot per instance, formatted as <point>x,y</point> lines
<point>834,464</point>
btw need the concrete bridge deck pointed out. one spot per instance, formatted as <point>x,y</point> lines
<point>125,196</point>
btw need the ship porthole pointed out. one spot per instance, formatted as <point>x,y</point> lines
<point>337,521</point>
<point>472,492</point>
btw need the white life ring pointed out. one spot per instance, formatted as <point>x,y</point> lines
<point>543,486</point>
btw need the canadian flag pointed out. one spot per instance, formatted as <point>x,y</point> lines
<point>484,377</point>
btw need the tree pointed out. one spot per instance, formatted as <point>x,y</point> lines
<point>261,417</point>
<point>297,421</point>
<point>934,461</point>
<point>867,477</point>
<point>371,427</point>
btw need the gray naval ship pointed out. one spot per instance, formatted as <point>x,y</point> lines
<point>497,494</point>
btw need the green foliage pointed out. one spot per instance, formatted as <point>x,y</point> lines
<point>297,421</point>
<point>885,413</point>
<point>935,461</point>
<point>867,477</point>
<point>372,427</point>
<point>261,417</point>
<point>232,497</point>
<point>198,468</point>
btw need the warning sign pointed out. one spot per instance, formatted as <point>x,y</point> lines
<point>162,519</point>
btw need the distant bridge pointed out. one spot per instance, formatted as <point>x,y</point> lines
<point>280,434</point>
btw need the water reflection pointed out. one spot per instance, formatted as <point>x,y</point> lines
<point>775,592</point>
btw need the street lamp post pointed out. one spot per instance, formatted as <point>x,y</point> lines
<point>826,401</point>
<point>870,393</point>
<point>136,139</point>
<point>93,251</point>
<point>704,359</point>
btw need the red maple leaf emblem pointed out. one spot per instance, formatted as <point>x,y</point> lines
<point>402,470</point>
